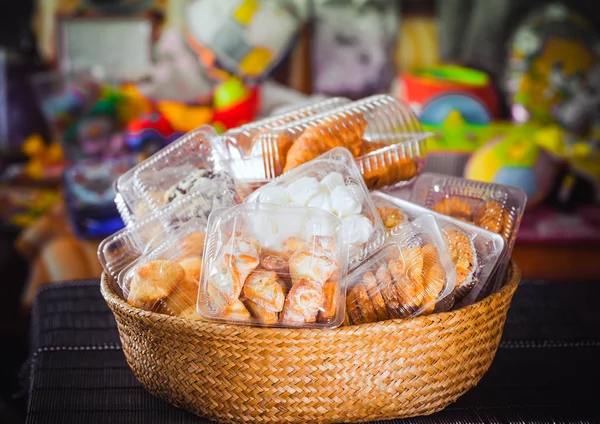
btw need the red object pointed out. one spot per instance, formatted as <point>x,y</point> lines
<point>418,89</point>
<point>240,113</point>
<point>150,126</point>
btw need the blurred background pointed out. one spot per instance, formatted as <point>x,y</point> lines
<point>88,88</point>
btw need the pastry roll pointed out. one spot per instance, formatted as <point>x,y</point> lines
<point>367,311</point>
<point>182,297</point>
<point>455,207</point>
<point>370,283</point>
<point>433,276</point>
<point>407,273</point>
<point>388,292</point>
<point>329,307</point>
<point>264,289</point>
<point>261,314</point>
<point>153,281</point>
<point>315,260</point>
<point>303,302</point>
<point>236,312</point>
<point>391,217</point>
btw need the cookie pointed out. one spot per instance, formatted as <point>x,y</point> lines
<point>391,217</point>
<point>455,207</point>
<point>372,288</point>
<point>491,217</point>
<point>363,301</point>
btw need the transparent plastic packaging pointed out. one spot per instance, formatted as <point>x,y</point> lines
<point>383,135</point>
<point>251,160</point>
<point>123,247</point>
<point>411,275</point>
<point>282,267</point>
<point>475,252</point>
<point>195,162</point>
<point>332,183</point>
<point>165,278</point>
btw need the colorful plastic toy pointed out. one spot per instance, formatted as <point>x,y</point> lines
<point>235,104</point>
<point>45,161</point>
<point>149,132</point>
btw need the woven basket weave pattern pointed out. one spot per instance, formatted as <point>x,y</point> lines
<point>383,370</point>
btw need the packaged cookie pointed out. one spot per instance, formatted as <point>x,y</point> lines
<point>494,207</point>
<point>282,267</point>
<point>476,253</point>
<point>411,275</point>
<point>332,183</point>
<point>165,277</point>
<point>383,136</point>
<point>121,248</point>
<point>255,161</point>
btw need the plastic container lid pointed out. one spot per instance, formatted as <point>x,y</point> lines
<point>382,134</point>
<point>475,252</point>
<point>411,275</point>
<point>332,183</point>
<point>165,278</point>
<point>283,267</point>
<point>249,162</point>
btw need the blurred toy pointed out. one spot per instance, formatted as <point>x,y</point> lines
<point>234,104</point>
<point>417,45</point>
<point>23,206</point>
<point>246,38</point>
<point>434,92</point>
<point>45,161</point>
<point>184,118</point>
<point>149,133</point>
<point>353,47</point>
<point>515,159</point>
<point>552,56</point>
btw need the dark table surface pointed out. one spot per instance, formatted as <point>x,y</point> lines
<point>547,368</point>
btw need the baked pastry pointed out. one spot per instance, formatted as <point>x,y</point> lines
<point>362,300</point>
<point>193,244</point>
<point>315,260</point>
<point>370,283</point>
<point>329,306</point>
<point>387,289</point>
<point>192,267</point>
<point>344,130</point>
<point>236,312</point>
<point>391,216</point>
<point>190,313</point>
<point>433,276</point>
<point>276,263</point>
<point>380,172</point>
<point>352,311</point>
<point>153,281</point>
<point>491,216</point>
<point>182,297</point>
<point>407,273</point>
<point>455,207</point>
<point>464,258</point>
<point>260,314</point>
<point>264,288</point>
<point>303,302</point>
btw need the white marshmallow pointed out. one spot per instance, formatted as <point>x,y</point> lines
<point>344,201</point>
<point>317,226</point>
<point>303,190</point>
<point>333,180</point>
<point>356,229</point>
<point>321,201</point>
<point>274,195</point>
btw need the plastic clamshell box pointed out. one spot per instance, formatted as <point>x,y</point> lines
<point>382,134</point>
<point>411,275</point>
<point>165,277</point>
<point>251,160</point>
<point>120,249</point>
<point>283,267</point>
<point>331,182</point>
<point>485,247</point>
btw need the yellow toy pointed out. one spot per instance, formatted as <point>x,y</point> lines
<point>41,157</point>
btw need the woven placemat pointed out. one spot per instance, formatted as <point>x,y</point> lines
<point>544,370</point>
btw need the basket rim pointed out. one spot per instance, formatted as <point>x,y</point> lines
<point>115,302</point>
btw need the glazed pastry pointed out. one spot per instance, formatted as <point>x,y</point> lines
<point>239,259</point>
<point>154,281</point>
<point>455,207</point>
<point>192,267</point>
<point>264,289</point>
<point>275,263</point>
<point>193,244</point>
<point>362,300</point>
<point>329,307</point>
<point>491,217</point>
<point>201,179</point>
<point>181,298</point>
<point>391,217</point>
<point>433,276</point>
<point>407,273</point>
<point>190,313</point>
<point>463,256</point>
<point>236,312</point>
<point>352,310</point>
<point>388,291</point>
<point>303,302</point>
<point>338,131</point>
<point>370,283</point>
<point>379,172</point>
<point>314,260</point>
<point>261,314</point>
<point>290,246</point>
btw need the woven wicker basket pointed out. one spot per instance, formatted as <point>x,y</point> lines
<point>384,370</point>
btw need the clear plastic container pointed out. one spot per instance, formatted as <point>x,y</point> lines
<point>411,275</point>
<point>121,248</point>
<point>130,203</point>
<point>332,183</point>
<point>475,252</point>
<point>382,134</point>
<point>252,161</point>
<point>165,278</point>
<point>283,267</point>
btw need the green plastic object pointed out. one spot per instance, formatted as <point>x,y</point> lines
<point>229,93</point>
<point>456,74</point>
